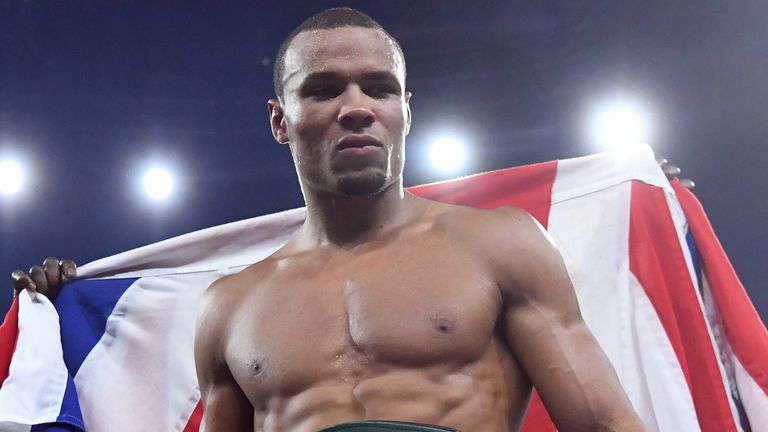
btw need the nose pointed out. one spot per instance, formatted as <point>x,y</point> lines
<point>356,113</point>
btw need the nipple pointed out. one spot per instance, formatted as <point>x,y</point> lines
<point>442,324</point>
<point>255,367</point>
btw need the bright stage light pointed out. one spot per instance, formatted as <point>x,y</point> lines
<point>447,154</point>
<point>11,177</point>
<point>620,124</point>
<point>158,184</point>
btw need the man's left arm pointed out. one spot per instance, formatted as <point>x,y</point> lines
<point>546,333</point>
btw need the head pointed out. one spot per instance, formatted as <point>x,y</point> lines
<point>341,104</point>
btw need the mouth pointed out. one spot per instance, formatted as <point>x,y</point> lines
<point>358,144</point>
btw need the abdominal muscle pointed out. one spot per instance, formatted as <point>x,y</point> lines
<point>489,395</point>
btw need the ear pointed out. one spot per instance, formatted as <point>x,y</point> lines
<point>277,121</point>
<point>407,112</point>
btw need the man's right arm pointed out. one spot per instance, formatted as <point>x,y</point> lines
<point>225,406</point>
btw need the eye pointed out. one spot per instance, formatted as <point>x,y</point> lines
<point>323,92</point>
<point>381,91</point>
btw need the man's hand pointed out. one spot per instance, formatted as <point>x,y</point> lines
<point>673,172</point>
<point>45,279</point>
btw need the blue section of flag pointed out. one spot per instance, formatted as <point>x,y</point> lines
<point>70,406</point>
<point>84,307</point>
<point>55,427</point>
<point>695,256</point>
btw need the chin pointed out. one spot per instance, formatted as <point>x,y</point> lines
<point>361,183</point>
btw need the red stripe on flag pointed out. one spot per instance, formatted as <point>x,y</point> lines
<point>9,334</point>
<point>528,187</point>
<point>745,331</point>
<point>657,260</point>
<point>193,424</point>
<point>537,418</point>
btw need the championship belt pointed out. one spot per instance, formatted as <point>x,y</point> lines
<point>386,426</point>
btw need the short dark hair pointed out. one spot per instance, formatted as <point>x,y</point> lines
<point>327,19</point>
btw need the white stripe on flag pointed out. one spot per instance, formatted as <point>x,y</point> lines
<point>752,397</point>
<point>235,244</point>
<point>588,174</point>
<point>141,374</point>
<point>664,399</point>
<point>35,386</point>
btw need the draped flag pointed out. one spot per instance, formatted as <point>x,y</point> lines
<point>653,283</point>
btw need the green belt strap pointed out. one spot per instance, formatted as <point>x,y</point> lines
<point>386,426</point>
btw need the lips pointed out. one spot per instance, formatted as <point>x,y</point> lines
<point>361,142</point>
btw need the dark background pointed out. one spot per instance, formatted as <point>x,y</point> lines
<point>90,91</point>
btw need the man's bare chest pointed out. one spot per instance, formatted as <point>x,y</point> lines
<point>342,317</point>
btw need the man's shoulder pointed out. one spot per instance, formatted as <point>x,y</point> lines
<point>225,294</point>
<point>508,240</point>
<point>485,226</point>
<point>248,279</point>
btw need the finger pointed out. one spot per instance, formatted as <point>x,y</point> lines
<point>687,183</point>
<point>52,272</point>
<point>661,161</point>
<point>21,281</point>
<point>38,277</point>
<point>68,268</point>
<point>670,171</point>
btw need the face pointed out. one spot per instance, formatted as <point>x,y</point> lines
<point>344,110</point>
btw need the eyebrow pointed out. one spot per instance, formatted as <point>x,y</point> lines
<point>366,76</point>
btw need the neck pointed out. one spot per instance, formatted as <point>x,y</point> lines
<point>351,220</point>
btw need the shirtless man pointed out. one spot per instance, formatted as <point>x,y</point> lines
<point>385,305</point>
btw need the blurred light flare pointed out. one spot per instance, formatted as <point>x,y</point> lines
<point>447,154</point>
<point>620,124</point>
<point>158,183</point>
<point>11,177</point>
